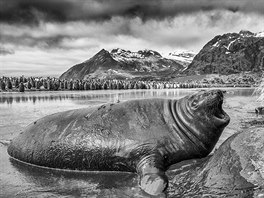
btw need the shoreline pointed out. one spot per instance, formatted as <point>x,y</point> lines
<point>178,88</point>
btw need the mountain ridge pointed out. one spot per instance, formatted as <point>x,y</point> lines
<point>229,54</point>
<point>124,64</point>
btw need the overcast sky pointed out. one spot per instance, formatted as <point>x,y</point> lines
<point>46,37</point>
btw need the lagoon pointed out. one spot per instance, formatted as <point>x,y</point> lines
<point>17,110</point>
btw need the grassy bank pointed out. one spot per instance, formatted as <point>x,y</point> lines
<point>260,90</point>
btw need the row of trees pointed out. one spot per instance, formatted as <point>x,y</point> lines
<point>35,83</point>
<point>38,83</point>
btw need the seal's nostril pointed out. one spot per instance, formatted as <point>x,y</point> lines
<point>218,93</point>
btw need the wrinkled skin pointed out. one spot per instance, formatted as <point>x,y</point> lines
<point>143,136</point>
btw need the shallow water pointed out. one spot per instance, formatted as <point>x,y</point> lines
<point>17,110</point>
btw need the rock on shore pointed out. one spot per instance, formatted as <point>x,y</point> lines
<point>236,167</point>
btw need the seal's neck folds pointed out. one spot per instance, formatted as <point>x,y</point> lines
<point>184,127</point>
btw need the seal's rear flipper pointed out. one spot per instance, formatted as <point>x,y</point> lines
<point>152,175</point>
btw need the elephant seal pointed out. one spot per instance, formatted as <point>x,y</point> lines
<point>144,136</point>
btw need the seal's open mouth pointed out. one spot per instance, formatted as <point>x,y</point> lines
<point>210,103</point>
<point>216,106</point>
<point>219,112</point>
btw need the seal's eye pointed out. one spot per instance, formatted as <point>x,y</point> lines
<point>195,103</point>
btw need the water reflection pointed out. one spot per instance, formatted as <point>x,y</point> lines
<point>58,182</point>
<point>110,96</point>
<point>33,99</point>
<point>54,96</point>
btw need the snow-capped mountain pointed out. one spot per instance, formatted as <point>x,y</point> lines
<point>127,55</point>
<point>232,38</point>
<point>183,56</point>
<point>230,53</point>
<point>119,63</point>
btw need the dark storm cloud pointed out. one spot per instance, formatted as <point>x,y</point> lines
<point>30,41</point>
<point>32,11</point>
<point>55,34</point>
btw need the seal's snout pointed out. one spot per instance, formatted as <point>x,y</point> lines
<point>215,98</point>
<point>219,98</point>
<point>219,94</point>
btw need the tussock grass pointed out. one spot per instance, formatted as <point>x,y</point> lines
<point>259,91</point>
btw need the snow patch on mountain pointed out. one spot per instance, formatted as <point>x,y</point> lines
<point>246,33</point>
<point>250,34</point>
<point>126,55</point>
<point>259,34</point>
<point>216,44</point>
<point>228,47</point>
<point>182,56</point>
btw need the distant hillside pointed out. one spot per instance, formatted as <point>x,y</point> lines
<point>123,64</point>
<point>229,54</point>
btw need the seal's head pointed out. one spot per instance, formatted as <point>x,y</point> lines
<point>202,119</point>
<point>208,105</point>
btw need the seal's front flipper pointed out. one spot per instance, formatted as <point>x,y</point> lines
<point>152,175</point>
<point>154,183</point>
